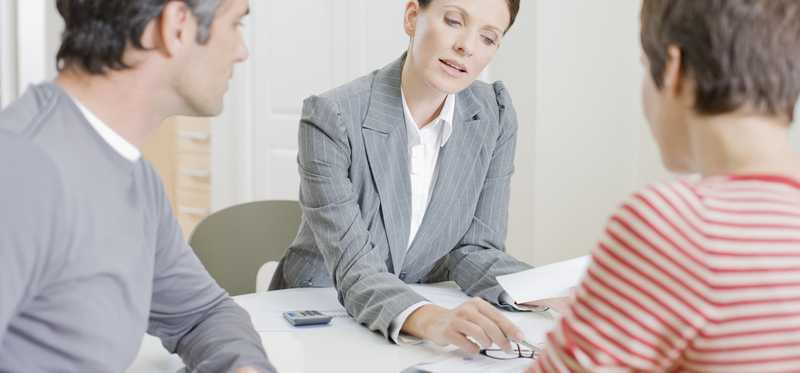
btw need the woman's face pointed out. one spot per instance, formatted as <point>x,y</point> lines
<point>452,41</point>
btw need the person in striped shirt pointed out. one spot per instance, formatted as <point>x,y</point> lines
<point>703,273</point>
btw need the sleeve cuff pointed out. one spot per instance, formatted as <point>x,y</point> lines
<point>397,325</point>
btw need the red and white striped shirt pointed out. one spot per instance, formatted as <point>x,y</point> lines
<point>690,276</point>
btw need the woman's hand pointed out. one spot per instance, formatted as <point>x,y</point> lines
<point>474,321</point>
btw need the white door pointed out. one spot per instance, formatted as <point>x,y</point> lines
<point>8,53</point>
<point>30,33</point>
<point>298,48</point>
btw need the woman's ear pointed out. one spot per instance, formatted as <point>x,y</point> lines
<point>410,17</point>
<point>673,71</point>
<point>678,83</point>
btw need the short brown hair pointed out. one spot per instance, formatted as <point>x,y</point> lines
<point>97,32</point>
<point>740,53</point>
<point>513,8</point>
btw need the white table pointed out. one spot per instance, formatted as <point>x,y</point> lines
<point>344,346</point>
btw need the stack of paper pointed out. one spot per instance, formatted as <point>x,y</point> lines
<point>549,281</point>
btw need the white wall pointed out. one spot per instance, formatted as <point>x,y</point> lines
<point>573,70</point>
<point>52,38</point>
<point>31,43</point>
<point>8,52</point>
<point>30,35</point>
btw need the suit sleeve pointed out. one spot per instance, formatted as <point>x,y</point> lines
<point>369,292</point>
<point>480,255</point>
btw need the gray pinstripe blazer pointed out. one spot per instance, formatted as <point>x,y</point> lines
<point>356,199</point>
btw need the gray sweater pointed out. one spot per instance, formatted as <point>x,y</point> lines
<point>91,255</point>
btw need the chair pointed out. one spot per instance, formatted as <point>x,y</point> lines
<point>234,243</point>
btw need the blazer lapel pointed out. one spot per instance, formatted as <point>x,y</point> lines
<point>386,143</point>
<point>456,163</point>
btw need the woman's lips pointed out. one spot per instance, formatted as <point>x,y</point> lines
<point>453,68</point>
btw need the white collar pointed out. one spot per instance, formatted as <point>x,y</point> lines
<point>119,144</point>
<point>445,116</point>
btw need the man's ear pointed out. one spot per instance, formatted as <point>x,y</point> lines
<point>176,27</point>
<point>410,17</point>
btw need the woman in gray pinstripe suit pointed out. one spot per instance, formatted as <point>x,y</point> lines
<point>405,178</point>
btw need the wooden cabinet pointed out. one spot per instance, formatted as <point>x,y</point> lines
<point>181,152</point>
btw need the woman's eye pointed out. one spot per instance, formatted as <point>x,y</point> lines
<point>488,41</point>
<point>452,22</point>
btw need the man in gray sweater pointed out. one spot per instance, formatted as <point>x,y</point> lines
<point>91,255</point>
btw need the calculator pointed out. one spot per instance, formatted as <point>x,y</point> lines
<point>304,318</point>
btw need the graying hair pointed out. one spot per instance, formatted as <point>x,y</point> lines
<point>97,32</point>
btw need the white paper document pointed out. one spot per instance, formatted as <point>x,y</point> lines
<point>548,281</point>
<point>475,364</point>
<point>533,325</point>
